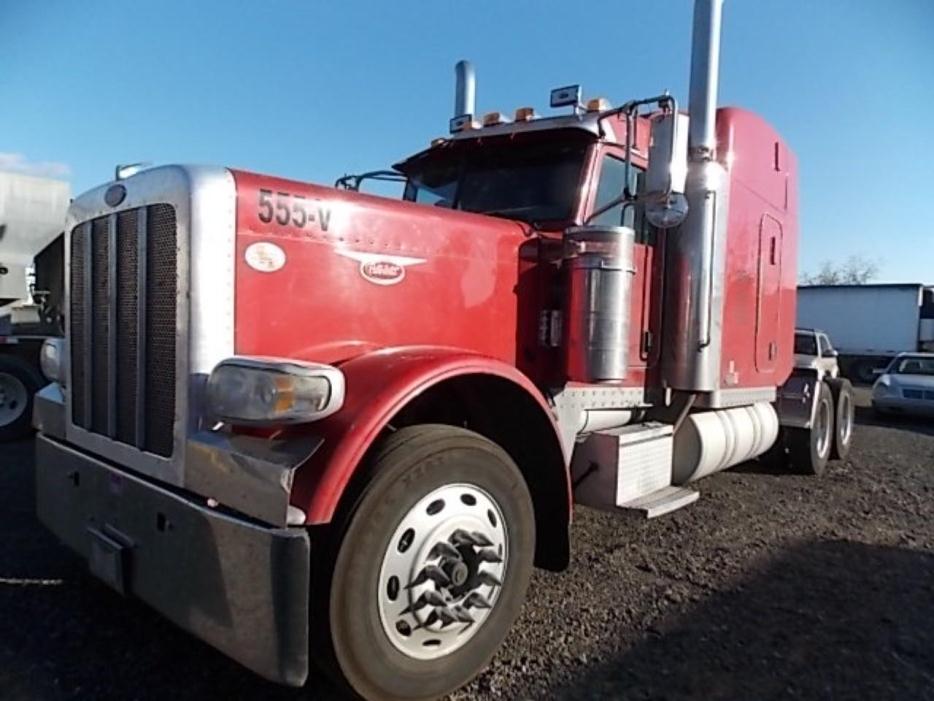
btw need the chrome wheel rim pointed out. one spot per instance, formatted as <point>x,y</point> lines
<point>442,571</point>
<point>13,399</point>
<point>824,424</point>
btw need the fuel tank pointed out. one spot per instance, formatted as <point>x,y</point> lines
<point>599,262</point>
<point>710,441</point>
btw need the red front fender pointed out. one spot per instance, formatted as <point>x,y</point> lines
<point>379,385</point>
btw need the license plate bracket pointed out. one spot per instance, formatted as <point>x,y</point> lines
<point>108,559</point>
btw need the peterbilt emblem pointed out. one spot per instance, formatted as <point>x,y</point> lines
<point>114,195</point>
<point>264,256</point>
<point>381,269</point>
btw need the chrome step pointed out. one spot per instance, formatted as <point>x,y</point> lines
<point>614,468</point>
<point>661,501</point>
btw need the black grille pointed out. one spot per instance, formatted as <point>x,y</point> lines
<point>79,327</point>
<point>123,293</point>
<point>99,324</point>
<point>160,327</point>
<point>127,318</point>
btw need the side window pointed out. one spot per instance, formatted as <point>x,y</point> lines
<point>825,344</point>
<point>437,186</point>
<point>442,196</point>
<point>439,196</point>
<point>805,344</point>
<point>610,186</point>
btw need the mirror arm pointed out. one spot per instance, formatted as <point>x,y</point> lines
<point>665,102</point>
<point>625,199</point>
<point>352,182</point>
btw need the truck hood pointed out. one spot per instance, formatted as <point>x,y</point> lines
<point>325,274</point>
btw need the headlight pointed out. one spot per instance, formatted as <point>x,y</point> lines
<point>270,391</point>
<point>50,359</point>
<point>882,388</point>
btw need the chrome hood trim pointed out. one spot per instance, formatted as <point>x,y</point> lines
<point>205,203</point>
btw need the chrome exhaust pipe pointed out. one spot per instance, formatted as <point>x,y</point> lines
<point>698,251</point>
<point>465,91</point>
<point>705,79</point>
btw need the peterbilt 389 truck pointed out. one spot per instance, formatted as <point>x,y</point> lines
<point>311,425</point>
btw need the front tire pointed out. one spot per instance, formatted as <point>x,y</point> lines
<point>19,381</point>
<point>433,566</point>
<point>809,448</point>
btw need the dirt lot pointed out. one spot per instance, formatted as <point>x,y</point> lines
<point>770,586</point>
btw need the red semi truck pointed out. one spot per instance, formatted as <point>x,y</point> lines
<point>313,425</point>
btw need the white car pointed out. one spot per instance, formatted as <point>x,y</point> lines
<point>906,386</point>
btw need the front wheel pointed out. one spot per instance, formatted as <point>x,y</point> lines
<point>433,566</point>
<point>19,381</point>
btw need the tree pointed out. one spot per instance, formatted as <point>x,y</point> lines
<point>856,270</point>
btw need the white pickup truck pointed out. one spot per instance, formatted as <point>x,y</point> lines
<point>813,349</point>
<point>32,216</point>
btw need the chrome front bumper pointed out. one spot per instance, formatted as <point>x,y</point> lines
<point>241,587</point>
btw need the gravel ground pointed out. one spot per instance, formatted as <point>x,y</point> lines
<point>770,586</point>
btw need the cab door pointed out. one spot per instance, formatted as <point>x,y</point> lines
<point>648,256</point>
<point>768,294</point>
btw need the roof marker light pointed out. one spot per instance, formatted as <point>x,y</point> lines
<point>525,114</point>
<point>491,119</point>
<point>598,104</point>
<point>438,142</point>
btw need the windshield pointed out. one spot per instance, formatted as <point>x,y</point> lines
<point>535,180</point>
<point>913,365</point>
<point>805,344</point>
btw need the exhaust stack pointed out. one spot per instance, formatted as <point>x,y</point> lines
<point>465,90</point>
<point>698,249</point>
<point>705,78</point>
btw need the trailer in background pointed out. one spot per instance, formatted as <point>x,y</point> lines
<point>869,324</point>
<point>32,214</point>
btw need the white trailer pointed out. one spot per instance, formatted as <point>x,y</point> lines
<point>869,324</point>
<point>32,216</point>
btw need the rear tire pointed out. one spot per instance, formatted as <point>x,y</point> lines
<point>19,381</point>
<point>844,418</point>
<point>809,448</point>
<point>430,485</point>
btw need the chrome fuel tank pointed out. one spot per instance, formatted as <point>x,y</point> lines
<point>600,270</point>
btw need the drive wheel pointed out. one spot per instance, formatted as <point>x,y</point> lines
<point>433,566</point>
<point>844,418</point>
<point>19,381</point>
<point>809,449</point>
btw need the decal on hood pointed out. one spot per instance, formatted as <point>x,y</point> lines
<point>264,256</point>
<point>381,269</point>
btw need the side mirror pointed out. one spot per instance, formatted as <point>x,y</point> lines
<point>665,203</point>
<point>831,353</point>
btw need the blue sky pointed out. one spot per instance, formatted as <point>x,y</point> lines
<point>311,90</point>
